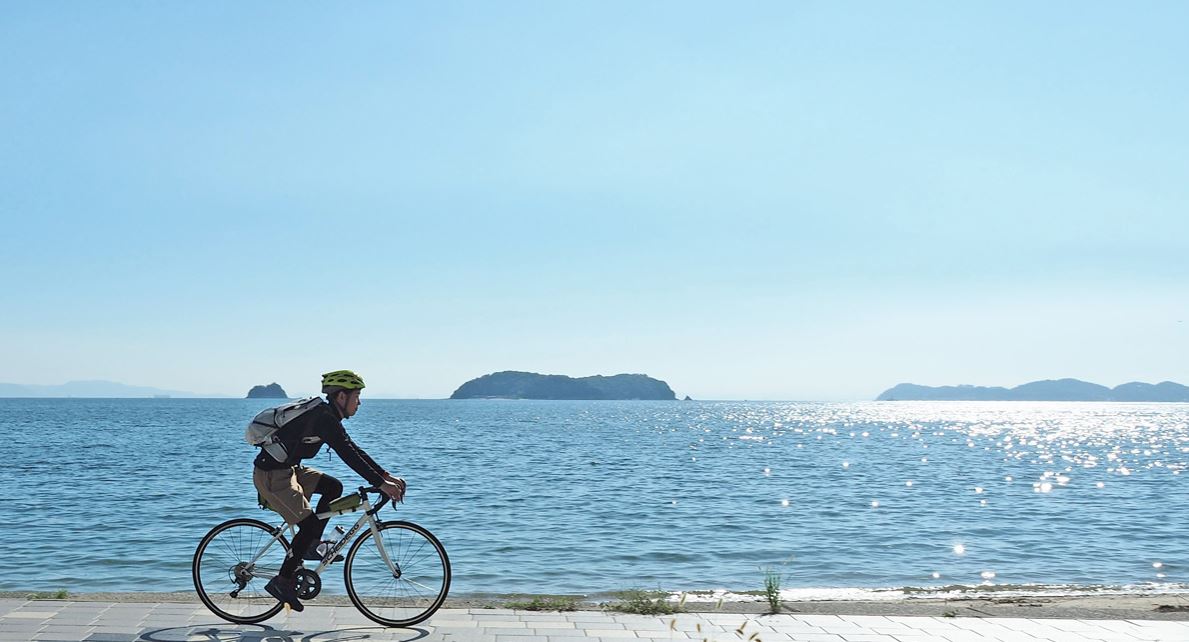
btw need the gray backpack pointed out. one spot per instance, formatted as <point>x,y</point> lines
<point>264,430</point>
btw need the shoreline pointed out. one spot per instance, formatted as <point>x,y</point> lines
<point>1118,606</point>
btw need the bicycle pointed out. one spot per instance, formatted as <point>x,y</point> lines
<point>400,581</point>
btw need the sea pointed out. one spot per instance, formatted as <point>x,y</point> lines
<point>834,500</point>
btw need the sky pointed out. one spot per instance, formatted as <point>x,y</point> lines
<point>759,200</point>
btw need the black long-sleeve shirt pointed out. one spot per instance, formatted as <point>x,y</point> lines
<point>303,438</point>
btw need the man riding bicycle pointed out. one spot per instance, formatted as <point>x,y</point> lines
<point>286,486</point>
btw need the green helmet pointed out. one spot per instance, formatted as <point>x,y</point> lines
<point>341,380</point>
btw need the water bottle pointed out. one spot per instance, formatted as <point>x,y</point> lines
<point>327,544</point>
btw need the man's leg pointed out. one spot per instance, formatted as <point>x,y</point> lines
<point>329,489</point>
<point>308,481</point>
<point>309,533</point>
<point>313,481</point>
<point>284,494</point>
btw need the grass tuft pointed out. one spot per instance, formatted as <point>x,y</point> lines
<point>60,594</point>
<point>643,602</point>
<point>547,603</point>
<point>772,579</point>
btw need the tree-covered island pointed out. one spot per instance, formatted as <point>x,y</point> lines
<point>530,385</point>
<point>271,391</point>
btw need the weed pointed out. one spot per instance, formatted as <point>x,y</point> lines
<point>60,594</point>
<point>547,603</point>
<point>754,637</point>
<point>772,579</point>
<point>645,602</point>
<point>950,613</point>
<point>740,633</point>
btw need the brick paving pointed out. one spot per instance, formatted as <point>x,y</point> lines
<point>69,621</point>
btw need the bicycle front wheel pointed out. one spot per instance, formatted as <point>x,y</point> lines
<point>399,579</point>
<point>232,564</point>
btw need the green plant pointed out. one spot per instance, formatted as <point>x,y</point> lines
<point>772,579</point>
<point>60,594</point>
<point>950,613</point>
<point>645,602</point>
<point>547,603</point>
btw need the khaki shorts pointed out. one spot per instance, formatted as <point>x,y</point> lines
<point>288,490</point>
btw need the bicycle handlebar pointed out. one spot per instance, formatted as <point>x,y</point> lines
<point>384,498</point>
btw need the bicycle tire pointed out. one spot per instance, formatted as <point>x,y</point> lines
<point>215,569</point>
<point>398,599</point>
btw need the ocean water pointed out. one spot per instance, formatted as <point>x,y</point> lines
<point>586,497</point>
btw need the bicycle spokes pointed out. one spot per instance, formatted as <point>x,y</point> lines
<point>399,578</point>
<point>232,564</point>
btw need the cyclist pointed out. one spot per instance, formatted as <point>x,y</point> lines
<point>286,486</point>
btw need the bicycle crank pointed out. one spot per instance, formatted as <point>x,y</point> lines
<point>307,583</point>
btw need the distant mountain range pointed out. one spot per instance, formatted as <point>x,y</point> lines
<point>530,385</point>
<point>1047,390</point>
<point>89,389</point>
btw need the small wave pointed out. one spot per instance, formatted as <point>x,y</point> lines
<point>859,594</point>
<point>1042,590</point>
<point>819,594</point>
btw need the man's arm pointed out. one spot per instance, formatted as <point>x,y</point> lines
<point>371,462</point>
<point>397,489</point>
<point>332,432</point>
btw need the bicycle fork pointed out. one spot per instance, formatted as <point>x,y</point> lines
<point>392,566</point>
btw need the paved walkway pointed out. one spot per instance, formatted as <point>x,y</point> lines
<point>24,621</point>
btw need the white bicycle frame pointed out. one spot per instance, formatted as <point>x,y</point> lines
<point>347,537</point>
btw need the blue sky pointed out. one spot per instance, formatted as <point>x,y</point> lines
<point>783,200</point>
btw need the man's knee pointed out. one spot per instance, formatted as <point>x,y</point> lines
<point>330,487</point>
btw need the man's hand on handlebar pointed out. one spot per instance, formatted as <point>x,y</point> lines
<point>393,487</point>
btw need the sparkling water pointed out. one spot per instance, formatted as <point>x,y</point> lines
<point>585,497</point>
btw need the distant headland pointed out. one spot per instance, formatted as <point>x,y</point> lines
<point>271,391</point>
<point>1047,390</point>
<point>530,385</point>
<point>91,389</point>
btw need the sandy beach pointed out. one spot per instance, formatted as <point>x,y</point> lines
<point>1172,606</point>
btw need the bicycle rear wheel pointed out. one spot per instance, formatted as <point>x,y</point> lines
<point>406,593</point>
<point>228,582</point>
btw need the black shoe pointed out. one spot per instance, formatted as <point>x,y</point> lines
<point>283,589</point>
